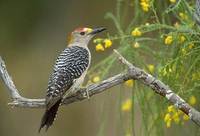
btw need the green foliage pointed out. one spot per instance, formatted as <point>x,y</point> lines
<point>169,41</point>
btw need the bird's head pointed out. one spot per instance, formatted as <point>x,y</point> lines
<point>84,34</point>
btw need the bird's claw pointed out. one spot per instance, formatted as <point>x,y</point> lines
<point>86,93</point>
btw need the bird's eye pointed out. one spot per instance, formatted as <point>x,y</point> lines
<point>82,33</point>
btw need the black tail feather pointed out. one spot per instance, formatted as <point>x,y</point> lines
<point>49,116</point>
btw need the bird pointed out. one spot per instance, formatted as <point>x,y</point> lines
<point>69,72</point>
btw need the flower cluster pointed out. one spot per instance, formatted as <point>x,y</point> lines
<point>176,115</point>
<point>168,40</point>
<point>136,32</point>
<point>187,48</point>
<point>102,44</point>
<point>145,5</point>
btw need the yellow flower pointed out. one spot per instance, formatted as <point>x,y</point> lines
<point>182,39</point>
<point>151,68</point>
<point>108,43</point>
<point>168,120</point>
<point>168,123</point>
<point>186,117</point>
<point>180,112</point>
<point>192,100</point>
<point>176,118</point>
<point>96,79</point>
<point>183,51</point>
<point>136,32</point>
<point>145,6</point>
<point>183,16</point>
<point>191,45</point>
<point>174,115</point>
<point>171,108</point>
<point>168,40</point>
<point>172,1</point>
<point>167,117</point>
<point>126,106</point>
<point>99,47</point>
<point>176,24</point>
<point>136,45</point>
<point>129,83</point>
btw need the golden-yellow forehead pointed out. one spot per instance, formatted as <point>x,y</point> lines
<point>88,30</point>
<point>84,29</point>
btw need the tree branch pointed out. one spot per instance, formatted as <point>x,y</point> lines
<point>132,73</point>
<point>196,14</point>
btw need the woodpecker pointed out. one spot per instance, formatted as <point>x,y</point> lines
<point>69,71</point>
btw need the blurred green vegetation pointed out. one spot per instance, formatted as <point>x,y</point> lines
<point>159,36</point>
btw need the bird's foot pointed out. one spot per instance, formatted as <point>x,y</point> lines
<point>86,93</point>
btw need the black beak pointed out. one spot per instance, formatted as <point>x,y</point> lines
<point>97,30</point>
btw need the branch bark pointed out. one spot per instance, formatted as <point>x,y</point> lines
<point>196,14</point>
<point>132,72</point>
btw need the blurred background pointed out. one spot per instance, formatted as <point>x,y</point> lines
<point>155,35</point>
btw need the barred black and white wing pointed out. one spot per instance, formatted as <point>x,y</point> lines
<point>70,65</point>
